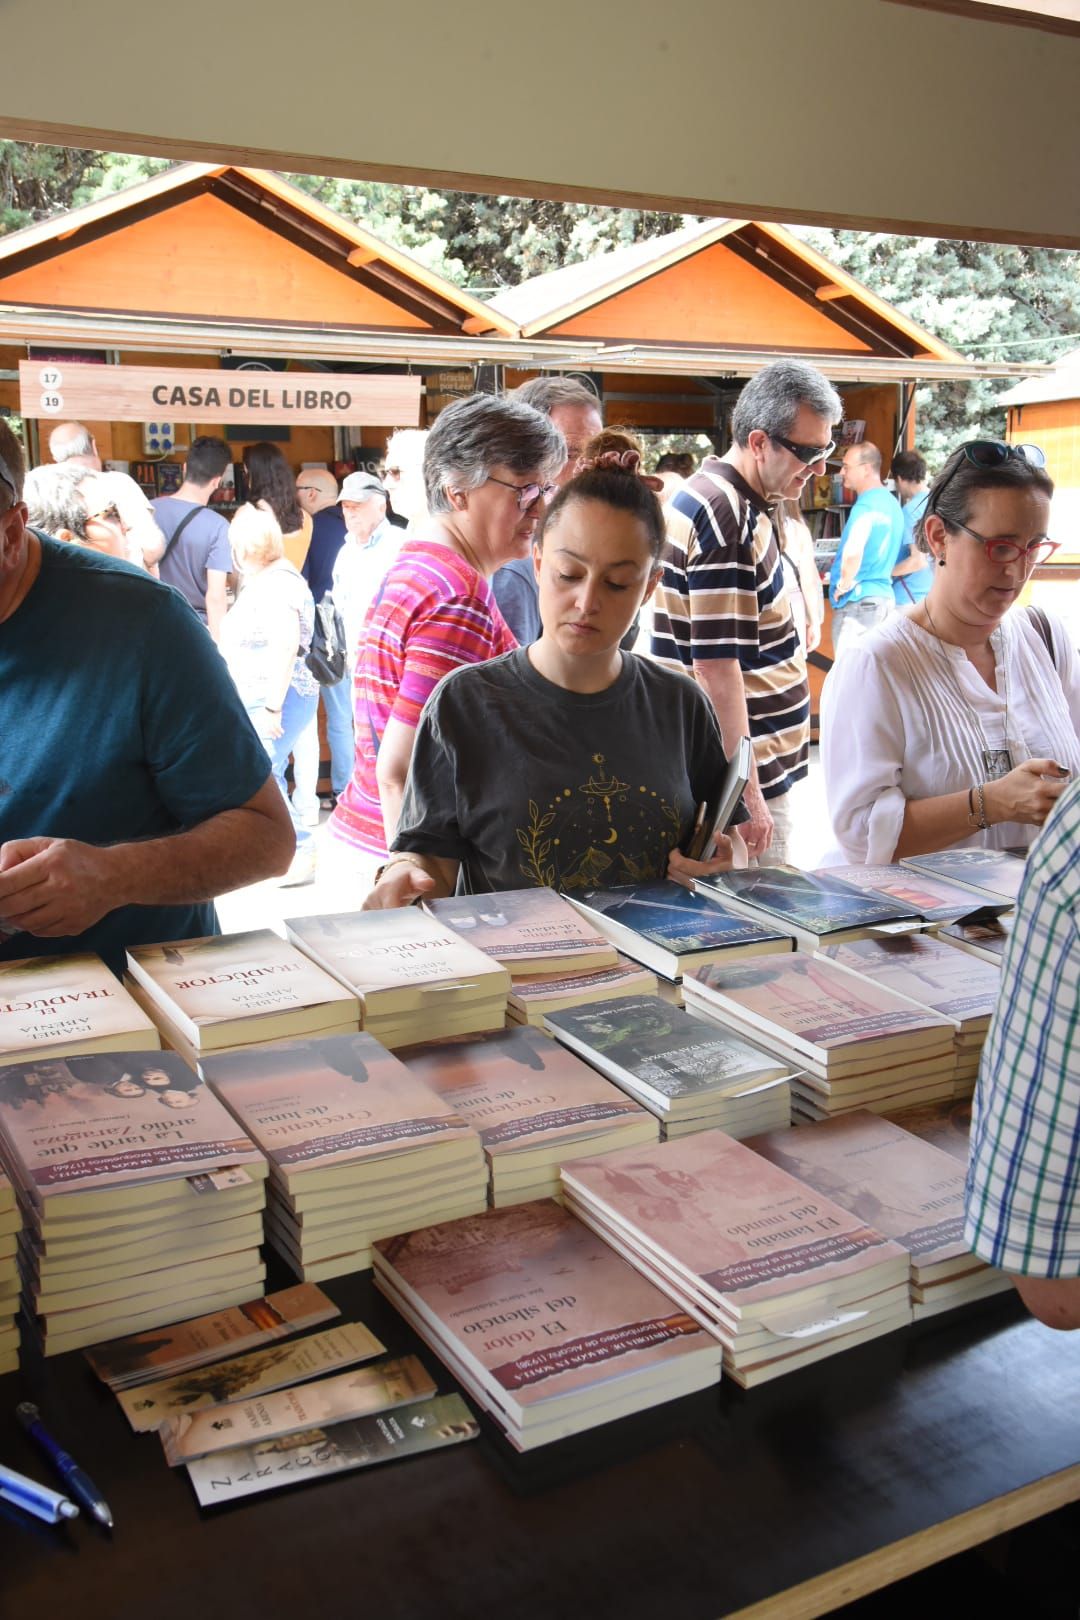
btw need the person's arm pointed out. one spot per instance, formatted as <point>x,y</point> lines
<point>913,563</point>
<point>61,886</point>
<point>1054,1301</point>
<point>408,878</point>
<point>137,517</point>
<point>392,772</point>
<point>216,601</point>
<point>854,546</point>
<point>722,680</point>
<point>1023,795</point>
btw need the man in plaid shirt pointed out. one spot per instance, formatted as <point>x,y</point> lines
<point>1023,1183</point>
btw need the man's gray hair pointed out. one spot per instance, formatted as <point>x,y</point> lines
<point>771,400</point>
<point>14,464</point>
<point>63,443</point>
<point>54,499</point>
<point>547,393</point>
<point>483,431</point>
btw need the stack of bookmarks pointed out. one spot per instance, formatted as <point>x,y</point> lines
<point>672,930</point>
<point>235,990</point>
<point>542,1323</point>
<point>687,1071</point>
<point>416,980</point>
<point>780,1274</point>
<point>358,1147</point>
<point>141,1198</point>
<point>532,1103</point>
<point>10,1227</point>
<point>899,1185</point>
<point>64,1005</point>
<point>858,1045</point>
<point>928,970</point>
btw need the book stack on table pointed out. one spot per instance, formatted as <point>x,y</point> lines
<point>815,908</point>
<point>236,990</point>
<point>357,1146</point>
<point>780,1274</point>
<point>990,874</point>
<point>983,939</point>
<point>858,1045</point>
<point>935,899</point>
<point>931,971</point>
<point>533,1104</point>
<point>672,930</point>
<point>59,1006</point>
<point>903,1187</point>
<point>10,1227</point>
<point>532,998</point>
<point>142,1200</point>
<point>690,1073</point>
<point>542,1323</point>
<point>415,978</point>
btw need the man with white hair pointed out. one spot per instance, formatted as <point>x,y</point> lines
<point>72,444</point>
<point>403,476</point>
<point>370,547</point>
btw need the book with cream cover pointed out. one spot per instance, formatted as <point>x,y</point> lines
<point>527,930</point>
<point>531,998</point>
<point>63,1005</point>
<point>925,969</point>
<point>673,930</point>
<point>235,989</point>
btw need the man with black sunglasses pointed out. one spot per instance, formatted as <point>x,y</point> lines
<point>722,610</point>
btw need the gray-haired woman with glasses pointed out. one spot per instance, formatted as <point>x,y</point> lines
<point>957,722</point>
<point>489,466</point>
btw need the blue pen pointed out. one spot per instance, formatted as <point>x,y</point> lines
<point>79,1484</point>
<point>34,1498</point>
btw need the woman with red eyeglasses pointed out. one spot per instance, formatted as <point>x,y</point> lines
<point>957,721</point>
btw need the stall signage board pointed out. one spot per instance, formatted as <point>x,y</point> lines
<point>56,389</point>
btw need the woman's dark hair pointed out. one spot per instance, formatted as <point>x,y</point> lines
<point>611,474</point>
<point>951,492</point>
<point>270,479</point>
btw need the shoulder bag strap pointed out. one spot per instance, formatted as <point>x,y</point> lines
<point>1042,625</point>
<point>178,531</point>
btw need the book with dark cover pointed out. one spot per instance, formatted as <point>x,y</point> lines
<point>527,930</point>
<point>671,929</point>
<point>985,939</point>
<point>994,873</point>
<point>814,904</point>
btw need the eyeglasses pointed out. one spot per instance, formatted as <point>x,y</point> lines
<point>391,472</point>
<point>986,453</point>
<point>1007,551</point>
<point>808,454</point>
<point>527,494</point>
<point>307,489</point>
<point>108,514</point>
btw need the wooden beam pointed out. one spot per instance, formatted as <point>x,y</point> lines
<point>826,294</point>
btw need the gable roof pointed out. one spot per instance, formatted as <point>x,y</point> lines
<point>1062,381</point>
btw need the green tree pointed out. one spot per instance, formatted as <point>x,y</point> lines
<point>38,182</point>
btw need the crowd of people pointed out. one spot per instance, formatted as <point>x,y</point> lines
<point>493,729</point>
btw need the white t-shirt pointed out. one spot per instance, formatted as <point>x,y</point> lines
<point>358,573</point>
<point>906,716</point>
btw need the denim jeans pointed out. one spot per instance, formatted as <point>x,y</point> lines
<point>296,714</point>
<point>337,701</point>
<point>859,617</point>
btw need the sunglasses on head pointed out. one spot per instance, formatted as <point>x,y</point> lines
<point>987,453</point>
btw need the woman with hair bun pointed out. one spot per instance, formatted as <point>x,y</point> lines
<point>568,763</point>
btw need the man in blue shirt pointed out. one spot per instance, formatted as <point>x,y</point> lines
<point>860,582</point>
<point>914,571</point>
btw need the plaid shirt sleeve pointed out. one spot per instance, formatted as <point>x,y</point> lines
<point>1023,1182</point>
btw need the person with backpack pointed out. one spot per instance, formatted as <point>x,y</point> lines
<point>197,559</point>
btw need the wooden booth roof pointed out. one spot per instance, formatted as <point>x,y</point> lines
<point>1061,381</point>
<point>222,243</point>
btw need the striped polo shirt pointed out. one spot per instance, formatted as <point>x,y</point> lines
<point>723,596</point>
<point>434,613</point>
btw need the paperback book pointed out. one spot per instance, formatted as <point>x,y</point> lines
<point>991,873</point>
<point>935,899</point>
<point>527,930</point>
<point>985,939</point>
<point>672,930</point>
<point>62,1005</point>
<point>531,999</point>
<point>812,906</point>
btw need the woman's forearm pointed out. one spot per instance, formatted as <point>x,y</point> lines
<point>933,824</point>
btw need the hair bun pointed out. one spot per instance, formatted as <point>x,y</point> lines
<point>628,461</point>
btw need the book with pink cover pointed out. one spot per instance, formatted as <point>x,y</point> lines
<point>110,1120</point>
<point>747,1232</point>
<point>334,1100</point>
<point>232,988</point>
<point>62,1005</point>
<point>531,996</point>
<point>398,961</point>
<point>520,1089</point>
<point>527,930</point>
<point>538,1307</point>
<point>928,970</point>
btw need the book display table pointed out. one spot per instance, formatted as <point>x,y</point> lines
<point>786,1501</point>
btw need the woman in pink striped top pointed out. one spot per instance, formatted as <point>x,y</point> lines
<point>488,466</point>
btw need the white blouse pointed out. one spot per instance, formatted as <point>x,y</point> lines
<point>906,716</point>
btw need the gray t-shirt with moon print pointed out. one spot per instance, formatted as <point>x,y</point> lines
<point>526,784</point>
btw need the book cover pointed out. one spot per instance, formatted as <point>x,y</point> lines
<point>670,916</point>
<point>290,1411</point>
<point>985,939</point>
<point>67,1004</point>
<point>401,957</point>
<point>525,929</point>
<point>816,902</point>
<point>991,871</point>
<point>533,995</point>
<point>518,1089</point>
<point>945,1125</point>
<point>228,987</point>
<point>540,1305</point>
<point>669,1051</point>
<point>330,1100</point>
<point>112,1119</point>
<point>924,969</point>
<point>935,899</point>
<point>270,1464</point>
<point>749,1231</point>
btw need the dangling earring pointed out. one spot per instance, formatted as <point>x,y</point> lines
<point>941,560</point>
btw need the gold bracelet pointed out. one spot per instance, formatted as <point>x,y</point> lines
<point>399,859</point>
<point>983,820</point>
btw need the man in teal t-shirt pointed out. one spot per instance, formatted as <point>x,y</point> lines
<point>914,571</point>
<point>860,582</point>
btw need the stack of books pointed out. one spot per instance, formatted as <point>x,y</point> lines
<point>142,1201</point>
<point>899,1185</point>
<point>63,1005</point>
<point>928,970</point>
<point>857,1045</point>
<point>691,1074</point>
<point>945,1125</point>
<point>357,1146</point>
<point>780,1274</point>
<point>545,1327</point>
<point>533,997</point>
<point>985,939</point>
<point>527,930</point>
<point>815,908</point>
<point>533,1105</point>
<point>230,990</point>
<point>935,899</point>
<point>990,874</point>
<point>10,1227</point>
<point>416,979</point>
<point>672,930</point>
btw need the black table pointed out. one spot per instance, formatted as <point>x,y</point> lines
<point>783,1501</point>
